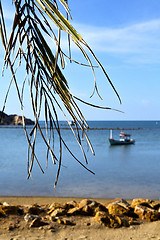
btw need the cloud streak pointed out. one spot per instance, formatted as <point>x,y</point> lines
<point>138,42</point>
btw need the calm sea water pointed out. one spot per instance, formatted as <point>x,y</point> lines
<point>120,171</point>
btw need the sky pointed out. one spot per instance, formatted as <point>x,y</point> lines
<point>125,37</point>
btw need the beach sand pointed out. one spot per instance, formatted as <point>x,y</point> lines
<point>85,227</point>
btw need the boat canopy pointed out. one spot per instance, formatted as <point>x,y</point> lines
<point>125,135</point>
<point>122,134</point>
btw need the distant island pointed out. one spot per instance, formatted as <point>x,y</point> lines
<point>13,119</point>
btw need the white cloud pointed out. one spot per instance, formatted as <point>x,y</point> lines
<point>138,42</point>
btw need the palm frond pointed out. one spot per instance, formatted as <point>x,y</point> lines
<point>28,44</point>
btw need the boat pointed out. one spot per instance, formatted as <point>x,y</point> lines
<point>124,139</point>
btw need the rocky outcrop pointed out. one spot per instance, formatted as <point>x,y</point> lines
<point>13,119</point>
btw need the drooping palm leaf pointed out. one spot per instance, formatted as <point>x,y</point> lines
<point>28,44</point>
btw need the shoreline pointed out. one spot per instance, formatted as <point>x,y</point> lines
<point>41,200</point>
<point>27,200</point>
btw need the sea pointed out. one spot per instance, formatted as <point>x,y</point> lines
<point>131,171</point>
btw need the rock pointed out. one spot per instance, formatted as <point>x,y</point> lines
<point>53,219</point>
<point>85,202</point>
<point>51,227</point>
<point>61,220</point>
<point>37,222</point>
<point>74,211</point>
<point>141,201</point>
<point>87,224</point>
<point>29,217</point>
<point>115,221</point>
<point>11,227</point>
<point>108,220</point>
<point>5,204</point>
<point>128,221</point>
<point>87,210</point>
<point>34,209</point>
<point>100,208</point>
<point>103,218</point>
<point>58,212</point>
<point>2,213</point>
<point>89,207</point>
<point>147,213</point>
<point>125,222</point>
<point>53,207</point>
<point>65,221</point>
<point>118,209</point>
<point>83,237</point>
<point>69,205</point>
<point>12,210</point>
<point>155,205</point>
<point>119,201</point>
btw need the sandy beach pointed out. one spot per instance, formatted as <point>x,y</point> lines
<point>85,227</point>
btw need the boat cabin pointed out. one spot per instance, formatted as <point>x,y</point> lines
<point>124,137</point>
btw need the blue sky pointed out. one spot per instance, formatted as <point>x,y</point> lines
<point>125,36</point>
